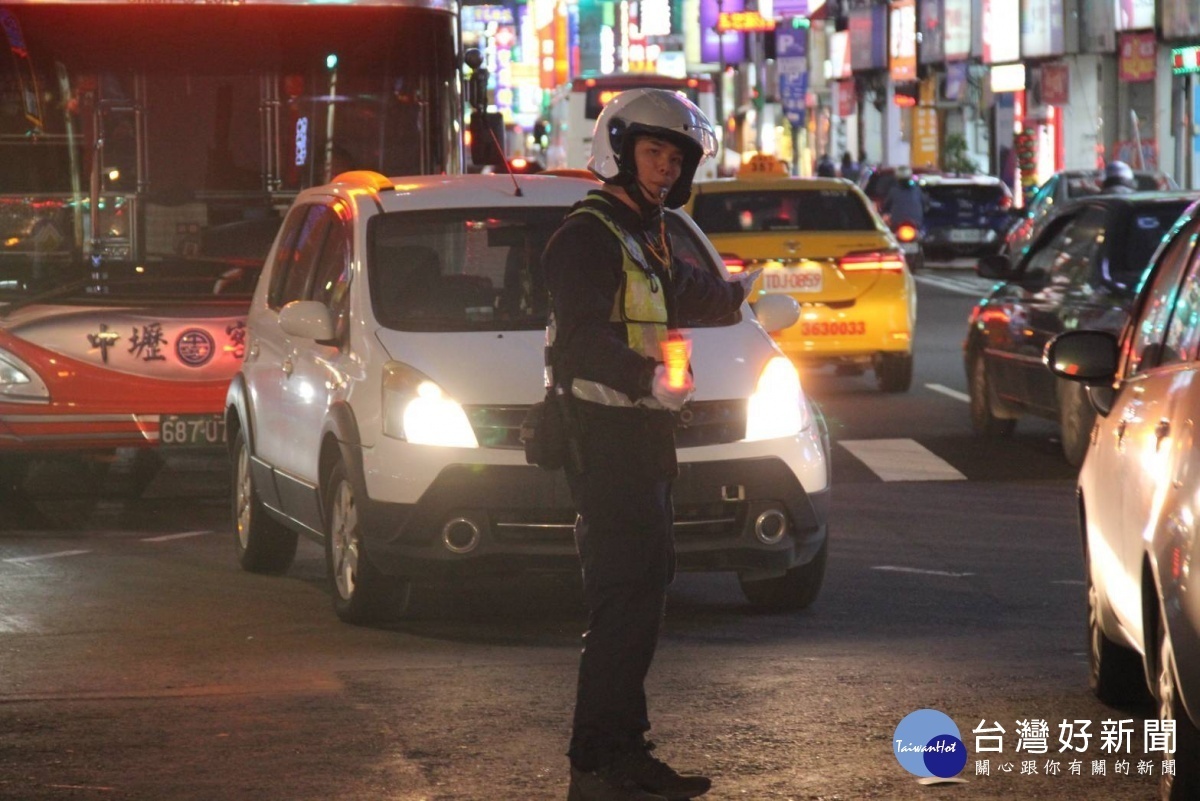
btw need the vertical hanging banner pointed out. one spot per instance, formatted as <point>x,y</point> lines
<point>729,46</point>
<point>791,53</point>
<point>902,40</point>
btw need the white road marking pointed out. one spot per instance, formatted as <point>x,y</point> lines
<point>895,569</point>
<point>972,286</point>
<point>953,393</point>
<point>901,460</point>
<point>180,536</point>
<point>40,557</point>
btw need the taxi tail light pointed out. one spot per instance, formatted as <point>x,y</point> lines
<point>884,261</point>
<point>733,264</point>
<point>906,232</point>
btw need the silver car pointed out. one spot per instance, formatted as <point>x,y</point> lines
<point>1139,497</point>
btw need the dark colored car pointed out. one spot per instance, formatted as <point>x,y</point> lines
<point>1068,185</point>
<point>965,216</point>
<point>1081,272</point>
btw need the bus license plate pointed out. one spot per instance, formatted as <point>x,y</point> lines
<point>191,430</point>
<point>793,279</point>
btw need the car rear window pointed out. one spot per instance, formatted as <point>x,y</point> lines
<point>972,197</point>
<point>478,270</point>
<point>809,210</point>
<point>1144,232</point>
<point>1090,184</point>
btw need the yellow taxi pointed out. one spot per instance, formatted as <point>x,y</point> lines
<point>820,241</point>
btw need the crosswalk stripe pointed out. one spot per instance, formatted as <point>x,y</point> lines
<point>901,460</point>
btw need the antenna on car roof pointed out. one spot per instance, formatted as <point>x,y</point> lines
<point>507,166</point>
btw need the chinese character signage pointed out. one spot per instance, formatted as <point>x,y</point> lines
<point>902,41</point>
<point>1136,57</point>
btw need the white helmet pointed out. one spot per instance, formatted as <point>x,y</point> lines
<point>662,113</point>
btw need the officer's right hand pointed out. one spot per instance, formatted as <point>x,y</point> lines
<point>671,397</point>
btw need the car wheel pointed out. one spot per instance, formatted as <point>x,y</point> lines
<point>794,590</point>
<point>1115,673</point>
<point>983,419</point>
<point>264,545</point>
<point>1185,784</point>
<point>361,593</point>
<point>894,372</point>
<point>1076,418</point>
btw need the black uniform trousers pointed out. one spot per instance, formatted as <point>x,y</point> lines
<point>623,535</point>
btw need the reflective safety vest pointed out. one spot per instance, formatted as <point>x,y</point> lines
<point>641,306</point>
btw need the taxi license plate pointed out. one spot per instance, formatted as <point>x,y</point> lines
<point>966,235</point>
<point>191,430</point>
<point>793,279</point>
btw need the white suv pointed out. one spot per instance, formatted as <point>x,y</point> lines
<point>395,342</point>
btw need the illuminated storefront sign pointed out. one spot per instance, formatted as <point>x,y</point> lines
<point>1008,78</point>
<point>956,40</point>
<point>1001,31</point>
<point>1185,60</point>
<point>1041,28</point>
<point>728,47</point>
<point>902,40</point>
<point>1132,15</point>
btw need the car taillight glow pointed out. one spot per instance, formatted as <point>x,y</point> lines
<point>1005,203</point>
<point>906,232</point>
<point>732,263</point>
<point>887,261</point>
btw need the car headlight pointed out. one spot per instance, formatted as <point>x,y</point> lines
<point>19,382</point>
<point>778,407</point>
<point>417,410</point>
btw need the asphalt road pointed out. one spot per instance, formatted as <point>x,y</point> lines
<point>138,662</point>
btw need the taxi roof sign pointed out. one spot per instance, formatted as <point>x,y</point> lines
<point>762,164</point>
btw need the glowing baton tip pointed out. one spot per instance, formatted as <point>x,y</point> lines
<point>676,352</point>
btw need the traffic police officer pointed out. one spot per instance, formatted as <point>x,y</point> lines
<point>616,292</point>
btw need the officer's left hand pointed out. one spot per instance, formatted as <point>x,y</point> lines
<point>747,279</point>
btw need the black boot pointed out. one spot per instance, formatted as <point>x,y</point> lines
<point>652,774</point>
<point>606,784</point>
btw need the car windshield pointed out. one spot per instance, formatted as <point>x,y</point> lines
<point>810,210</point>
<point>1144,232</point>
<point>968,197</point>
<point>471,270</point>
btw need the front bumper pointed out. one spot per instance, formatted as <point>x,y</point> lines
<point>524,518</point>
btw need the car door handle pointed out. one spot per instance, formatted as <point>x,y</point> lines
<point>1161,432</point>
<point>287,366</point>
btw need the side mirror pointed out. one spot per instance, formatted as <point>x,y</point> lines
<point>309,319</point>
<point>994,266</point>
<point>776,312</point>
<point>1089,357</point>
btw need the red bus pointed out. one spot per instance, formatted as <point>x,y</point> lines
<point>147,153</point>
